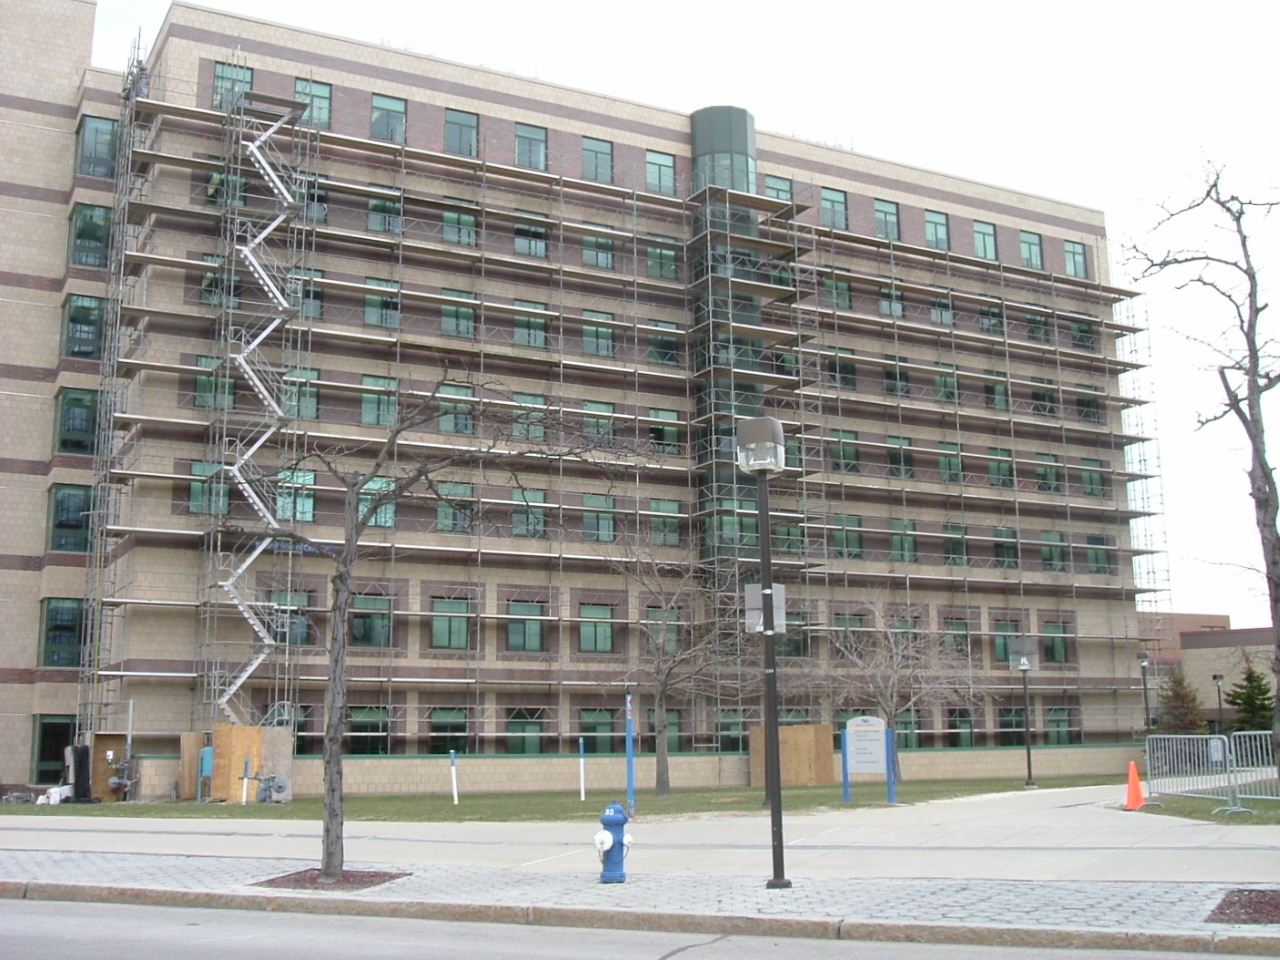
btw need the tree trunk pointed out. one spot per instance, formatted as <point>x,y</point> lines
<point>335,721</point>
<point>662,767</point>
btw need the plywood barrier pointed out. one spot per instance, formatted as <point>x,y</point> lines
<point>189,746</point>
<point>804,751</point>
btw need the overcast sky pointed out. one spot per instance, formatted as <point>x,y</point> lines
<point>1116,105</point>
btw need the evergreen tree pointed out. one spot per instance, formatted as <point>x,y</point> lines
<point>1180,710</point>
<point>1254,702</point>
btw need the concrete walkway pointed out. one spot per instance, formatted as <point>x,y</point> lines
<point>1042,868</point>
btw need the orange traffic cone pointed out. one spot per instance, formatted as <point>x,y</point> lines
<point>1134,801</point>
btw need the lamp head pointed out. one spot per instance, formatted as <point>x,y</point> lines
<point>761,446</point>
<point>1024,664</point>
<point>1143,659</point>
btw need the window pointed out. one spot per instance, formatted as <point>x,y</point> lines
<point>902,462</point>
<point>453,512</point>
<point>955,631</point>
<point>897,380</point>
<point>524,733</point>
<point>847,539</point>
<point>984,240</point>
<point>1076,266</point>
<point>314,199</point>
<point>835,209</point>
<point>597,518</point>
<point>307,296</point>
<point>530,331</point>
<point>1091,482</point>
<point>664,531</point>
<point>384,514</point>
<point>597,252</point>
<point>596,726</point>
<point>450,625</point>
<point>525,635</point>
<point>388,119</point>
<point>731,731</point>
<point>959,727</point>
<point>1061,729</point>
<point>597,341</point>
<point>456,417</point>
<point>370,731</point>
<point>448,730</point>
<point>296,398</point>
<point>1088,409</point>
<point>793,641</point>
<point>598,429</point>
<point>319,100</point>
<point>731,531</point>
<point>290,624</point>
<point>1006,548</point>
<point>937,230</point>
<point>229,81</point>
<point>296,496</point>
<point>53,734</point>
<point>1054,642</point>
<point>459,227</point>
<point>1000,469</point>
<point>379,409</point>
<point>660,173</point>
<point>661,260</point>
<point>531,146</point>
<point>595,634</point>
<point>219,287</point>
<point>531,239</point>
<point>1013,727</point>
<point>991,320</point>
<point>902,541</point>
<point>1097,556</point>
<point>529,422</point>
<point>843,373</point>
<point>892,303</point>
<point>844,453</point>
<point>950,466</point>
<point>1005,630</point>
<point>664,437</point>
<point>69,507</point>
<point>941,312</point>
<point>887,220</point>
<point>214,391</point>
<point>945,385</point>
<point>82,327</point>
<point>381,309</point>
<point>386,212</point>
<point>597,160</point>
<point>62,631</point>
<point>1044,401</point>
<point>1052,552</point>
<point>1082,336</point>
<point>663,350</point>
<point>529,522</point>
<point>837,294</point>
<point>90,235</point>
<point>1038,329</point>
<point>1047,477</point>
<point>96,147</point>
<point>77,421</point>
<point>997,393</point>
<point>457,320</point>
<point>1029,243</point>
<point>777,188</point>
<point>210,498</point>
<point>461,133</point>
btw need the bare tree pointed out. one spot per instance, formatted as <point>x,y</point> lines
<point>1246,361</point>
<point>378,473</point>
<point>894,664</point>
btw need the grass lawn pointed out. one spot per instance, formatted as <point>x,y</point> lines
<point>1194,808</point>
<point>514,807</point>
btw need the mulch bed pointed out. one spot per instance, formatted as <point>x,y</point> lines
<point>1247,906</point>
<point>351,880</point>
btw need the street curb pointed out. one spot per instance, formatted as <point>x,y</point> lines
<point>1260,945</point>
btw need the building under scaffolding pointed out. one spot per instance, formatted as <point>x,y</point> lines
<point>297,257</point>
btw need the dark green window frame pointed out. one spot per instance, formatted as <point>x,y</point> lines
<point>937,230</point>
<point>90,234</point>
<point>595,635</point>
<point>84,319</point>
<point>229,81</point>
<point>387,118</point>
<point>77,421</point>
<point>660,173</point>
<point>984,241</point>
<point>62,631</point>
<point>382,309</point>
<point>379,409</point>
<point>887,223</point>
<point>319,100</point>
<point>96,143</point>
<point>450,624</point>
<point>292,624</point>
<point>208,497</point>
<point>531,146</point>
<point>1032,253</point>
<point>371,624</point>
<point>834,211</point>
<point>597,160</point>
<point>525,636</point>
<point>461,133</point>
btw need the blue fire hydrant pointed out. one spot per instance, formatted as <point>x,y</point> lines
<point>612,844</point>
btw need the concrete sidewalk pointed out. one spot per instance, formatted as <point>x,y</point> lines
<point>1043,868</point>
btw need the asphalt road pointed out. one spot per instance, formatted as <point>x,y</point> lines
<point>90,931</point>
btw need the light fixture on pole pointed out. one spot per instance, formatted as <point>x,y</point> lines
<point>1217,679</point>
<point>1024,668</point>
<point>1143,662</point>
<point>762,450</point>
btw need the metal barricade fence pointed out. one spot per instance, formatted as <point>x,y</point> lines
<point>1192,766</point>
<point>1253,764</point>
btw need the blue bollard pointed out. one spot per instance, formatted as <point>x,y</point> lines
<point>612,842</point>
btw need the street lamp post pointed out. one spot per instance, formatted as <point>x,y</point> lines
<point>1217,679</point>
<point>762,451</point>
<point>1143,661</point>
<point>1024,668</point>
